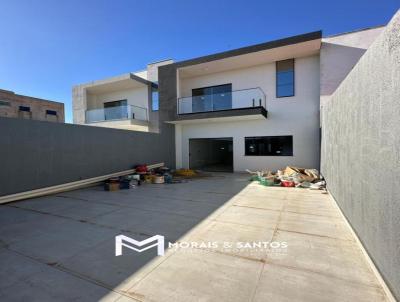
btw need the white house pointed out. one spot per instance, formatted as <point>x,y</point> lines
<point>128,101</point>
<point>255,107</point>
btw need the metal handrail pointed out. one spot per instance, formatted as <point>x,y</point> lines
<point>236,99</point>
<point>244,89</point>
<point>124,112</point>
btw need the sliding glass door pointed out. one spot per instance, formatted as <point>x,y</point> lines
<point>212,98</point>
<point>116,110</point>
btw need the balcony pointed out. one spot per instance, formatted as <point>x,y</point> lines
<point>128,117</point>
<point>129,112</point>
<point>238,104</point>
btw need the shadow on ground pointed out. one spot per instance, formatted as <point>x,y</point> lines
<point>61,247</point>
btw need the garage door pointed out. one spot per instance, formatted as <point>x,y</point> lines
<point>211,154</point>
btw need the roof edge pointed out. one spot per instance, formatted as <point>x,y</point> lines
<point>354,31</point>
<point>252,48</point>
<point>34,98</point>
<point>143,81</point>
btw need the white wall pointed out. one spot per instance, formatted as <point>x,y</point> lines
<point>297,116</point>
<point>340,53</point>
<point>137,97</point>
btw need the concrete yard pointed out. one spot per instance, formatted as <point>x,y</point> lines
<point>61,247</point>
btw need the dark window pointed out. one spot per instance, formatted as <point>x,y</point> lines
<point>154,100</point>
<point>24,108</point>
<point>115,104</point>
<point>285,78</point>
<point>269,146</point>
<point>116,110</point>
<point>212,98</point>
<point>5,103</point>
<point>51,112</point>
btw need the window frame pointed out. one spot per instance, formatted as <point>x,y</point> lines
<point>293,78</point>
<point>153,91</point>
<point>125,101</point>
<point>264,137</point>
<point>51,112</point>
<point>24,108</point>
<point>197,89</point>
<point>4,103</point>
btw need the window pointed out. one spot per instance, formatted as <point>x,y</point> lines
<point>25,112</point>
<point>212,98</point>
<point>116,110</point>
<point>285,78</point>
<point>51,112</point>
<point>154,99</point>
<point>115,104</point>
<point>269,146</point>
<point>24,108</point>
<point>5,104</point>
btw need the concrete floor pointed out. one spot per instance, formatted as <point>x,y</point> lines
<point>61,248</point>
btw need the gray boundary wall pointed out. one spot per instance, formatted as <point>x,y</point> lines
<point>361,151</point>
<point>36,154</point>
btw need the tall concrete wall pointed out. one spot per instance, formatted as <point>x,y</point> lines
<point>39,154</point>
<point>361,151</point>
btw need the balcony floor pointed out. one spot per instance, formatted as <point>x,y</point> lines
<point>61,247</point>
<point>228,115</point>
<point>127,124</point>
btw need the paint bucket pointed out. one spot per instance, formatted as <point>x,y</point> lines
<point>124,184</point>
<point>148,178</point>
<point>168,178</point>
<point>288,183</point>
<point>158,179</point>
<point>111,186</point>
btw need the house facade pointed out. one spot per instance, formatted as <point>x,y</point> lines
<point>269,115</point>
<point>128,101</point>
<point>256,107</point>
<point>26,107</point>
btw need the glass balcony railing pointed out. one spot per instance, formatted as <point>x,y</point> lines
<point>246,98</point>
<point>116,113</point>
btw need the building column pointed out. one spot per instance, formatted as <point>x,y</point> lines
<point>178,146</point>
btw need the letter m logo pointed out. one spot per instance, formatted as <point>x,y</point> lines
<point>122,240</point>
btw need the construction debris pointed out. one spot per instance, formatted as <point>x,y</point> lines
<point>112,184</point>
<point>290,177</point>
<point>67,186</point>
<point>144,174</point>
<point>185,172</point>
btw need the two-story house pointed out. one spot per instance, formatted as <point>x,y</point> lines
<point>128,101</point>
<point>256,107</point>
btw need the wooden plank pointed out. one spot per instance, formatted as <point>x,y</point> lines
<point>68,186</point>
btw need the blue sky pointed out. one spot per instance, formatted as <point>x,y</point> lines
<point>48,46</point>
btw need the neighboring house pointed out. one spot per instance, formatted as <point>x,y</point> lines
<point>253,108</point>
<point>22,106</point>
<point>128,101</point>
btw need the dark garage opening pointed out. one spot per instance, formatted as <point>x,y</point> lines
<point>211,154</point>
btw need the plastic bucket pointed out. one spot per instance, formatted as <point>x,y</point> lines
<point>266,181</point>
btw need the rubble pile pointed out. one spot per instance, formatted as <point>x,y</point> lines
<point>290,177</point>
